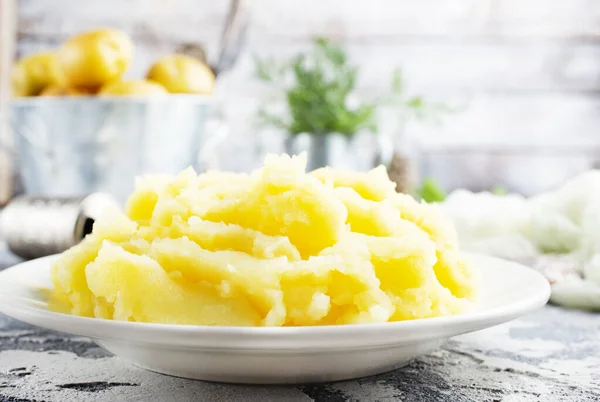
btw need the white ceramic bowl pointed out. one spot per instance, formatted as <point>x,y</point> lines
<point>277,355</point>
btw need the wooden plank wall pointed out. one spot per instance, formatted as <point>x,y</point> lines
<point>529,71</point>
<point>7,46</point>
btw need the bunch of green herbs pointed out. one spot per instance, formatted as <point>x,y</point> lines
<point>318,87</point>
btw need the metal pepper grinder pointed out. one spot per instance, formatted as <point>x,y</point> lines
<point>34,227</point>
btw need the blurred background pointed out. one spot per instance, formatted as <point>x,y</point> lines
<point>505,91</point>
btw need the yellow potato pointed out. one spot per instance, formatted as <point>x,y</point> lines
<point>125,281</point>
<point>94,58</point>
<point>183,74</point>
<point>276,248</point>
<point>283,200</point>
<point>70,281</point>
<point>215,236</point>
<point>374,185</point>
<point>132,88</point>
<point>455,273</point>
<point>57,90</point>
<point>33,73</point>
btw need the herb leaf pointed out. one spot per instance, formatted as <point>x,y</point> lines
<point>317,101</point>
<point>319,88</point>
<point>430,191</point>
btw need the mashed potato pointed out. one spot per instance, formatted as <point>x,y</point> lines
<point>277,247</point>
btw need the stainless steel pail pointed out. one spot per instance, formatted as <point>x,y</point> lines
<point>75,146</point>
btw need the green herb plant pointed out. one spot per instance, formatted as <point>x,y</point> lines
<point>430,191</point>
<point>499,190</point>
<point>318,88</point>
<point>317,99</point>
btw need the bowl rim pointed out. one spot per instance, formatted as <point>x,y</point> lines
<point>535,293</point>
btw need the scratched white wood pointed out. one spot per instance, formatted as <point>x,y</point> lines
<point>352,19</point>
<point>552,119</point>
<point>160,23</point>
<point>575,19</point>
<point>365,19</point>
<point>459,66</point>
<point>284,19</point>
<point>183,19</point>
<point>556,119</point>
<point>469,19</point>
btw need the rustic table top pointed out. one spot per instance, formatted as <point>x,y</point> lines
<point>550,355</point>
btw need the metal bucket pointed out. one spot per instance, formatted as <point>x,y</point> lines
<point>74,146</point>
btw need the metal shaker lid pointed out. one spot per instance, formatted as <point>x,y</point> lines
<point>34,227</point>
<point>90,210</point>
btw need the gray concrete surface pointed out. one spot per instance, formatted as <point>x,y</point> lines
<point>550,355</point>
